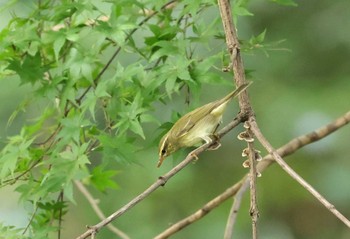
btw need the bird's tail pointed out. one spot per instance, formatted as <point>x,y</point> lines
<point>236,92</point>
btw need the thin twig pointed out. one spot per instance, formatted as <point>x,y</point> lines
<point>31,219</point>
<point>287,149</point>
<point>294,175</point>
<point>94,204</point>
<point>235,208</point>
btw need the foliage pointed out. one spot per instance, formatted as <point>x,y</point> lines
<point>97,70</point>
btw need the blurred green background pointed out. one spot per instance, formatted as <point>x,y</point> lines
<point>302,84</point>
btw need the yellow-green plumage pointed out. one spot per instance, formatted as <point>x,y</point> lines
<point>195,126</point>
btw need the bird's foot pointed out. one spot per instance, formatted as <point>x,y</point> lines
<point>194,156</point>
<point>215,141</point>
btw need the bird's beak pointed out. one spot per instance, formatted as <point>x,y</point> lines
<point>161,159</point>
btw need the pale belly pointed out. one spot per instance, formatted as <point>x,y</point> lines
<point>201,130</point>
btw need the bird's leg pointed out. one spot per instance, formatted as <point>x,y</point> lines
<point>209,140</point>
<point>216,144</point>
<point>215,137</point>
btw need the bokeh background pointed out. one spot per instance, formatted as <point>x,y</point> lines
<point>299,85</point>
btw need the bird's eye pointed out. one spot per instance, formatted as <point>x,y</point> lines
<point>163,151</point>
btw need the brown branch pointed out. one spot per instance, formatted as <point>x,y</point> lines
<point>254,211</point>
<point>161,180</point>
<point>294,175</point>
<point>235,208</point>
<point>94,204</point>
<point>287,149</point>
<point>234,50</point>
<point>201,212</point>
<point>244,103</point>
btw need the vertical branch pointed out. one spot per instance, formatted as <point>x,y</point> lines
<point>254,211</point>
<point>248,136</point>
<point>234,50</point>
<point>239,78</point>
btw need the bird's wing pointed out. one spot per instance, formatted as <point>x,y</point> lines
<point>188,121</point>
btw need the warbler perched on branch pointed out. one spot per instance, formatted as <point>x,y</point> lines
<point>196,126</point>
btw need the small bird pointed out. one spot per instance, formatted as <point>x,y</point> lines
<point>196,126</point>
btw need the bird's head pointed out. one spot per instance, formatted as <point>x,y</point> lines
<point>166,147</point>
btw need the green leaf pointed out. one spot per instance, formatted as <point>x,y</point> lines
<point>170,85</point>
<point>30,70</point>
<point>16,150</point>
<point>10,232</point>
<point>57,46</point>
<point>68,191</point>
<point>261,37</point>
<point>241,11</point>
<point>39,122</point>
<point>149,118</point>
<point>102,179</point>
<point>135,127</point>
<point>90,103</point>
<point>166,48</point>
<point>71,128</point>
<point>117,148</point>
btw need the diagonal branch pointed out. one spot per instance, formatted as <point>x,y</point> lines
<point>234,210</point>
<point>161,180</point>
<point>202,211</point>
<point>294,175</point>
<point>287,149</point>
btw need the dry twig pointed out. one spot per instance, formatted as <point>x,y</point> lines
<point>94,204</point>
